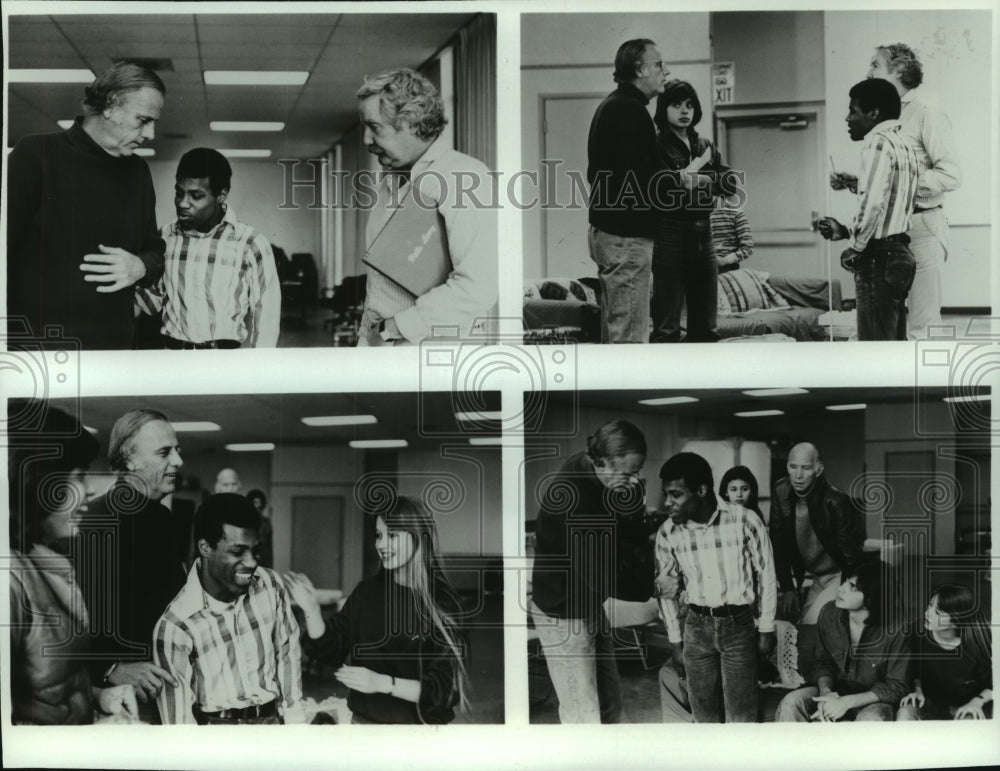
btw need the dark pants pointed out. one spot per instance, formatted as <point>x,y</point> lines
<point>720,656</point>
<point>883,275</point>
<point>684,267</point>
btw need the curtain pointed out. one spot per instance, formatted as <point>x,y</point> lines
<point>476,89</point>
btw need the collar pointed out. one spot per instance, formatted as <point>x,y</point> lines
<point>81,139</point>
<point>435,151</point>
<point>692,525</point>
<point>228,220</point>
<point>632,90</point>
<point>909,96</point>
<point>193,598</point>
<point>884,127</point>
<point>816,492</point>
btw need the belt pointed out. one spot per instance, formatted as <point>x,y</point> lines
<point>240,713</point>
<point>896,238</point>
<point>922,209</point>
<point>723,611</point>
<point>184,345</point>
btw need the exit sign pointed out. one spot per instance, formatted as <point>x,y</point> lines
<point>723,83</point>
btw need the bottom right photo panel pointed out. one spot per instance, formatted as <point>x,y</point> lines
<point>768,555</point>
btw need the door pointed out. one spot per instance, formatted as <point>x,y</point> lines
<point>565,130</point>
<point>781,154</point>
<point>318,539</point>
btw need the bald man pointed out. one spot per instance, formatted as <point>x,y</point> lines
<point>816,533</point>
<point>227,481</point>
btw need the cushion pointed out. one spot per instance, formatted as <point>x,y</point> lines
<point>559,289</point>
<point>747,290</point>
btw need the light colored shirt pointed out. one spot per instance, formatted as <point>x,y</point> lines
<point>719,562</point>
<point>219,285</point>
<point>887,185</point>
<point>229,655</point>
<point>447,179</point>
<point>929,131</point>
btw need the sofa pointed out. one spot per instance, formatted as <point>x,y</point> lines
<point>753,305</point>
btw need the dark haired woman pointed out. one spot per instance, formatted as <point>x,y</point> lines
<point>49,684</point>
<point>398,631</point>
<point>684,264</point>
<point>739,486</point>
<point>954,665</point>
<point>574,569</point>
<point>860,667</point>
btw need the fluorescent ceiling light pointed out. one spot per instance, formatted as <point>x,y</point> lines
<point>50,76</point>
<point>473,416</point>
<point>145,152</point>
<point>668,400</point>
<point>195,425</point>
<point>489,440</point>
<point>758,413</point>
<point>255,78</point>
<point>969,398</point>
<point>91,429</point>
<point>246,153</point>
<point>841,407</point>
<point>340,420</point>
<point>377,444</point>
<point>246,125</point>
<point>251,447</point>
<point>776,392</point>
<point>65,124</point>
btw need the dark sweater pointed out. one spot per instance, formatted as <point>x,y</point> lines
<point>576,533</point>
<point>147,573</point>
<point>380,628</point>
<point>952,677</point>
<point>66,195</point>
<point>622,159</point>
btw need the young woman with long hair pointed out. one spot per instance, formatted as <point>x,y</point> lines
<point>739,486</point>
<point>954,666</point>
<point>399,630</point>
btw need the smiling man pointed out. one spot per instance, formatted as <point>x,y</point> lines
<point>128,569</point>
<point>220,285</point>
<point>229,638</point>
<point>81,219</point>
<point>454,287</point>
<point>879,256</point>
<point>817,534</point>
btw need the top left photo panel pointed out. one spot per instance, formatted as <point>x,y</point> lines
<point>229,180</point>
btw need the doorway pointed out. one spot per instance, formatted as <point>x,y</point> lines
<point>318,538</point>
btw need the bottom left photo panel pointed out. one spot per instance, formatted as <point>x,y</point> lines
<point>255,559</point>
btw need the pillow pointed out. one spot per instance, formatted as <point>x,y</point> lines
<point>747,290</point>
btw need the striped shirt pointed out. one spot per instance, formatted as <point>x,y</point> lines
<point>454,182</point>
<point>226,655</point>
<point>718,562</point>
<point>929,131</point>
<point>731,233</point>
<point>219,285</point>
<point>887,185</point>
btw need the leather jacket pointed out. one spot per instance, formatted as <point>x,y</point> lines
<point>838,525</point>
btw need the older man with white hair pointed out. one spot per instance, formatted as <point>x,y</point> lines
<point>454,285</point>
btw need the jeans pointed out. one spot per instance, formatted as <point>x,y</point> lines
<point>798,707</point>
<point>580,656</point>
<point>674,702</point>
<point>720,656</point>
<point>684,267</point>
<point>928,241</point>
<point>623,265</point>
<point>883,274</point>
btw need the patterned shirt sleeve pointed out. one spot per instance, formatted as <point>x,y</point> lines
<point>172,648</point>
<point>667,583</point>
<point>264,318</point>
<point>289,655</point>
<point>763,564</point>
<point>743,235</point>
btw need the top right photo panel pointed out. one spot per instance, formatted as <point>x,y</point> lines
<point>801,176</point>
